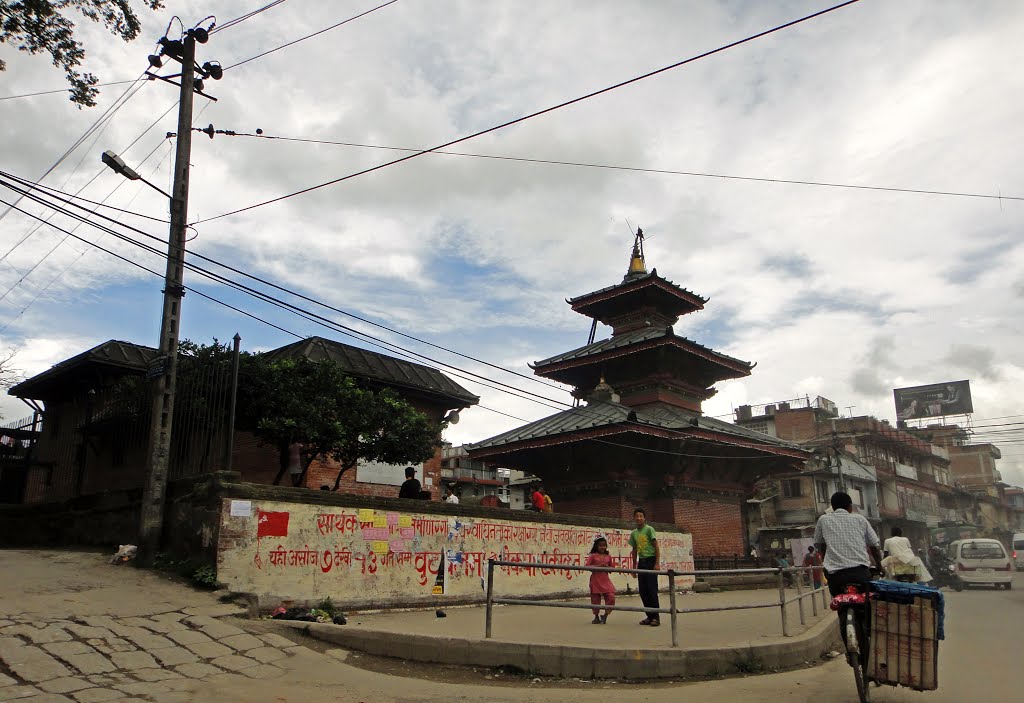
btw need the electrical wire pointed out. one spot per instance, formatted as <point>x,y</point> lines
<point>538,113</point>
<point>56,246</point>
<point>332,308</point>
<point>100,172</point>
<point>310,36</point>
<point>243,18</point>
<point>312,317</point>
<point>107,115</point>
<point>65,90</point>
<point>633,169</point>
<point>60,276</point>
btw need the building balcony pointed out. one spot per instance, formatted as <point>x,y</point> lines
<point>905,471</point>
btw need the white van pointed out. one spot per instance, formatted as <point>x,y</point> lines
<point>982,561</point>
<point>1018,551</point>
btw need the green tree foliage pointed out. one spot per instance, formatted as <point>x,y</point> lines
<point>318,405</point>
<point>331,415</point>
<point>38,26</point>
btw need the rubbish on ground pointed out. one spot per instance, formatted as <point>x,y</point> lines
<point>340,619</point>
<point>279,613</point>
<point>125,553</point>
<point>833,654</point>
<point>440,614</point>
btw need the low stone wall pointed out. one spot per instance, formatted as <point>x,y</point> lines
<point>369,553</point>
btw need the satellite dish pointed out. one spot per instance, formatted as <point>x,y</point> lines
<point>453,417</point>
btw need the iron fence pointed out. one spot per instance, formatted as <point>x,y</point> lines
<point>672,610</point>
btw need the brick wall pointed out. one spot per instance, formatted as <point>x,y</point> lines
<point>717,527</point>
<point>614,507</point>
<point>797,425</point>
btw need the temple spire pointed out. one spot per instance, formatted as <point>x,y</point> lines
<point>637,265</point>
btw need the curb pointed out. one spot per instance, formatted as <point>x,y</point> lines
<point>585,662</point>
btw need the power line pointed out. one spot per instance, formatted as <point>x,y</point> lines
<point>310,36</point>
<point>332,308</point>
<point>34,185</point>
<point>56,246</point>
<point>66,90</point>
<point>107,115</point>
<point>632,169</point>
<point>312,317</point>
<point>538,113</point>
<point>243,18</point>
<point>81,255</point>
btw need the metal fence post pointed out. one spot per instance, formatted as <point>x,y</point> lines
<point>490,598</point>
<point>800,596</point>
<point>814,596</point>
<point>673,616</point>
<point>782,604</point>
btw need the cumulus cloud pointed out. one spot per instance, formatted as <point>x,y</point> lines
<point>840,292</point>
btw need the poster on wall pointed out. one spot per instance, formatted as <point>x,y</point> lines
<point>442,578</point>
<point>936,400</point>
<point>387,474</point>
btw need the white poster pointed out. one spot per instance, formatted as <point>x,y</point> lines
<point>387,474</point>
<point>241,508</point>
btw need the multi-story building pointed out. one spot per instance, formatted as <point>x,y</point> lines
<point>895,477</point>
<point>473,481</point>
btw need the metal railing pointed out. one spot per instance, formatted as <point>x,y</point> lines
<point>673,611</point>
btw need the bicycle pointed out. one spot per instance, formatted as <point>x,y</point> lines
<point>852,608</point>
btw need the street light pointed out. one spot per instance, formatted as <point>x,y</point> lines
<point>118,166</point>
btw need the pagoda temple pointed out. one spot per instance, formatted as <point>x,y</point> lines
<point>638,437</point>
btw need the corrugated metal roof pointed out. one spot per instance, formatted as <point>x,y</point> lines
<point>630,338</point>
<point>379,367</point>
<point>633,283</point>
<point>126,355</point>
<point>600,414</point>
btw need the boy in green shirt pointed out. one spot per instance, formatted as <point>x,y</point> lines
<point>646,555</point>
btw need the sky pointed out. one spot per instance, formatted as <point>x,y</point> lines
<point>843,292</point>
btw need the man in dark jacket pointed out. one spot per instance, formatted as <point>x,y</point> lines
<point>411,487</point>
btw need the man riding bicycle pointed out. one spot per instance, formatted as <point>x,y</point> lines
<point>845,540</point>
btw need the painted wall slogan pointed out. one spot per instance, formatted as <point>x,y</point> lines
<point>364,557</point>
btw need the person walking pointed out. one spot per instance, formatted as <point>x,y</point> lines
<point>646,555</point>
<point>812,559</point>
<point>450,497</point>
<point>601,585</point>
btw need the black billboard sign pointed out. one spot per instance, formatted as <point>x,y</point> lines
<point>936,400</point>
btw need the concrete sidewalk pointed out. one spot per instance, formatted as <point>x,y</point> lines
<point>517,623</point>
<point>562,642</point>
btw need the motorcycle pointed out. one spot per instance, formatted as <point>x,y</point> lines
<point>946,575</point>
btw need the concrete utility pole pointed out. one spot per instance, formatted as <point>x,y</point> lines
<point>159,451</point>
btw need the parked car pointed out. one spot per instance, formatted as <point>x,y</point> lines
<point>1018,551</point>
<point>982,561</point>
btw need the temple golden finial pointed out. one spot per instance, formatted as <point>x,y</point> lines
<point>637,265</point>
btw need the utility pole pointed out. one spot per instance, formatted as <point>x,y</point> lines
<point>164,369</point>
<point>839,459</point>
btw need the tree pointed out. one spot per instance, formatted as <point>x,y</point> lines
<point>9,375</point>
<point>37,26</point>
<point>318,405</point>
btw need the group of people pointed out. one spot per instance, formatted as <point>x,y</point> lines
<point>645,554</point>
<point>541,501</point>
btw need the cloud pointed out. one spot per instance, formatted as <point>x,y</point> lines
<point>841,292</point>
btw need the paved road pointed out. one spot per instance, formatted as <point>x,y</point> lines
<point>73,630</point>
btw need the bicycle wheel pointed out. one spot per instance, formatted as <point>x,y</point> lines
<point>854,657</point>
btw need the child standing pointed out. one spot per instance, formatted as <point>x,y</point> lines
<point>600,582</point>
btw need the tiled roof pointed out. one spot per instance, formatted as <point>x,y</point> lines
<point>629,338</point>
<point>379,367</point>
<point>133,357</point>
<point>632,282</point>
<point>601,414</point>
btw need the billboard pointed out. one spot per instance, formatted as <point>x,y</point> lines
<point>936,400</point>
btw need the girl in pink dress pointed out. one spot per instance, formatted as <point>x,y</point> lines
<point>600,583</point>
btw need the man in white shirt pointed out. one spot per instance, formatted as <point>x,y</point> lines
<point>450,497</point>
<point>845,539</point>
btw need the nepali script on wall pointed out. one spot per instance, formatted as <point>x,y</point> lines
<point>365,557</point>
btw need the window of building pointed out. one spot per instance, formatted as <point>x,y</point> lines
<point>858,497</point>
<point>823,494</point>
<point>791,488</point>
